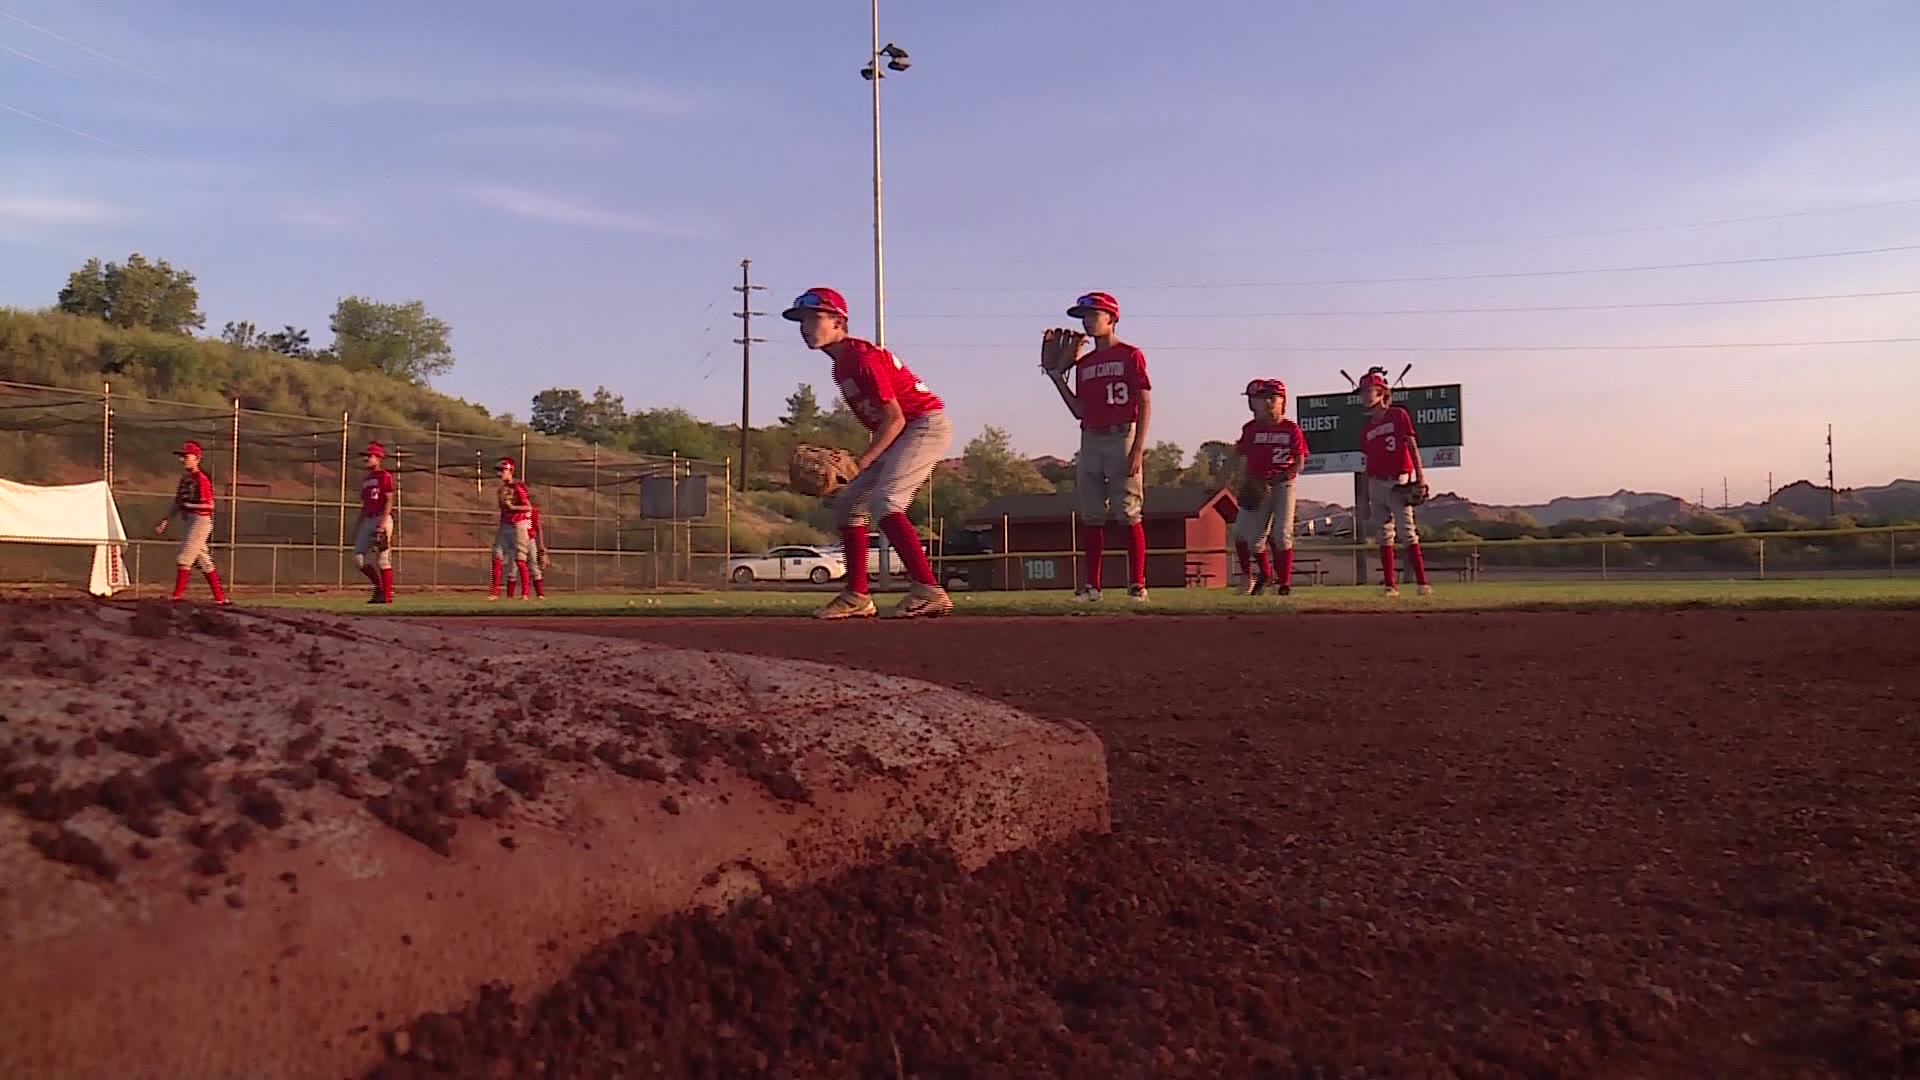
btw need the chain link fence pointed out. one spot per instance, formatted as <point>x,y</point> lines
<point>287,496</point>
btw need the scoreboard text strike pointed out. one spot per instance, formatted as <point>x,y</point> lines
<point>1332,423</point>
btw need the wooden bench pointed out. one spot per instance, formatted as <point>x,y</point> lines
<point>1311,568</point>
<point>1467,570</point>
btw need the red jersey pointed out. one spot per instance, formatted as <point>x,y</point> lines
<point>511,493</point>
<point>1388,442</point>
<point>1272,447</point>
<point>869,377</point>
<point>1108,383</point>
<point>194,487</point>
<point>376,494</point>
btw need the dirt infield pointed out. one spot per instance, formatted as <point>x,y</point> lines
<point>1621,844</point>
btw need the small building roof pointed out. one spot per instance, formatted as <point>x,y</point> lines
<point>1158,502</point>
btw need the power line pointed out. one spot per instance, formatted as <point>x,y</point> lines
<point>83,48</point>
<point>1447,310</point>
<point>1627,230</point>
<point>35,117</point>
<point>1462,348</point>
<point>1639,268</point>
<point>32,59</point>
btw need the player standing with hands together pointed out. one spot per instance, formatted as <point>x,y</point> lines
<point>193,501</point>
<point>1272,452</point>
<point>1396,477</point>
<point>373,535</point>
<point>1112,398</point>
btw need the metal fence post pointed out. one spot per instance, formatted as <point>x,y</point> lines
<point>1763,557</point>
<point>233,500</point>
<point>340,551</point>
<point>436,507</point>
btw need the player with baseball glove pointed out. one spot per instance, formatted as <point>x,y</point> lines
<point>373,535</point>
<point>1272,451</point>
<point>820,471</point>
<point>514,537</point>
<point>534,584</point>
<point>909,434</point>
<point>1111,397</point>
<point>193,502</point>
<point>1396,477</point>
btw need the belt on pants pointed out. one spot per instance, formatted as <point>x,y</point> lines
<point>1115,429</point>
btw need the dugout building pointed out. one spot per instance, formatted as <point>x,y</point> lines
<point>1037,539</point>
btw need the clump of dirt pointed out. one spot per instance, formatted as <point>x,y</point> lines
<point>215,623</point>
<point>528,778</point>
<point>70,847</point>
<point>151,619</point>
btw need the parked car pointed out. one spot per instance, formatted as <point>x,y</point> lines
<point>790,563</point>
<point>895,564</point>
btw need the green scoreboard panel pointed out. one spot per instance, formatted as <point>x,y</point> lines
<point>1332,423</point>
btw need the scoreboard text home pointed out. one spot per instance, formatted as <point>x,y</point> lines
<point>1332,423</point>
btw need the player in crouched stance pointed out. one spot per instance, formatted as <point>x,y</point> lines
<point>909,432</point>
<point>1272,452</point>
<point>1393,467</point>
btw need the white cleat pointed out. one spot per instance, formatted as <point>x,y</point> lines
<point>923,602</point>
<point>1086,594</point>
<point>848,605</point>
<point>1137,593</point>
<point>1392,590</point>
<point>1426,590</point>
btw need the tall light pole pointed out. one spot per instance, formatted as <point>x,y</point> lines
<point>896,60</point>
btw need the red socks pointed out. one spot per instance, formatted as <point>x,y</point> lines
<point>855,538</point>
<point>493,589</point>
<point>913,553</point>
<point>526,580</point>
<point>386,584</point>
<point>213,582</point>
<point>1286,567</point>
<point>180,578</point>
<point>540,587</point>
<point>1386,565</point>
<point>1419,560</point>
<point>1095,537</point>
<point>1266,563</point>
<point>1137,555</point>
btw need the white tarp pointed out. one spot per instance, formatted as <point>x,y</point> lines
<point>69,514</point>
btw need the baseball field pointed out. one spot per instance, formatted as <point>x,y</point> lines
<point>1637,839</point>
<point>1505,831</point>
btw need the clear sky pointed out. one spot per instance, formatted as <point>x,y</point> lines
<point>573,185</point>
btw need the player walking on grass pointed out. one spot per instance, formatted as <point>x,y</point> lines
<point>536,566</point>
<point>373,536</point>
<point>513,540</point>
<point>193,501</point>
<point>1395,476</point>
<point>909,434</point>
<point>1272,451</point>
<point>1112,398</point>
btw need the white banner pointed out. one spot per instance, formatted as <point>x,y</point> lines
<point>69,514</point>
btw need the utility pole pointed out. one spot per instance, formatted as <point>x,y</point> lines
<point>746,342</point>
<point>1769,487</point>
<point>1725,499</point>
<point>1832,511</point>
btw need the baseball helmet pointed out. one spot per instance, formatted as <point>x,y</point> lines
<point>191,447</point>
<point>1259,387</point>
<point>1372,379</point>
<point>818,298</point>
<point>1094,301</point>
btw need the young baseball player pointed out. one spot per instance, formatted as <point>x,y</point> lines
<point>1111,397</point>
<point>374,532</point>
<point>535,566</point>
<point>1392,459</point>
<point>193,501</point>
<point>1272,451</point>
<point>909,433</point>
<point>514,537</point>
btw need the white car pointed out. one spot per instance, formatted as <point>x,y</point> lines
<point>792,563</point>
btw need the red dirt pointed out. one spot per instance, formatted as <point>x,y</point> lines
<point>1616,844</point>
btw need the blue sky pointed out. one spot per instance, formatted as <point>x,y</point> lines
<point>573,185</point>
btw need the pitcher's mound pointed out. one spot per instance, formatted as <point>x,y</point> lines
<point>240,844</point>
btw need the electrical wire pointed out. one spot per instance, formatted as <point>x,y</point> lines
<point>1462,348</point>
<point>1444,310</point>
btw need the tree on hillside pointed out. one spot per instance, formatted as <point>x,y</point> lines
<point>138,293</point>
<point>993,468</point>
<point>1162,464</point>
<point>401,340</point>
<point>565,411</point>
<point>664,432</point>
<point>1212,466</point>
<point>241,335</point>
<point>803,409</point>
<point>288,341</point>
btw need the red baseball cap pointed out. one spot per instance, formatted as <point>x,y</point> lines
<point>1371,378</point>
<point>818,298</point>
<point>191,447</point>
<point>1266,387</point>
<point>1094,301</point>
<point>504,463</point>
<point>374,449</point>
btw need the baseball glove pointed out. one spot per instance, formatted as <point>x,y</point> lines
<point>1412,493</point>
<point>1060,349</point>
<point>820,470</point>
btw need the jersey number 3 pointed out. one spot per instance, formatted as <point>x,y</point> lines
<point>1116,393</point>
